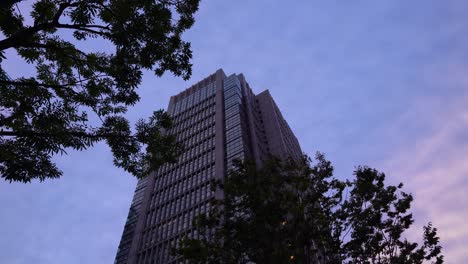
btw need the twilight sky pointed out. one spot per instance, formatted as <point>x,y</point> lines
<point>378,83</point>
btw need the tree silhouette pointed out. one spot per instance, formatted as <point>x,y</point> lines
<point>297,212</point>
<point>45,114</point>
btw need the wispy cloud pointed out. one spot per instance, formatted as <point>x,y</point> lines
<point>435,167</point>
<point>367,82</point>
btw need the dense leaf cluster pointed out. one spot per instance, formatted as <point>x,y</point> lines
<point>297,212</point>
<point>55,109</point>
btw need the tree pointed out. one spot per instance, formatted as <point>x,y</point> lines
<point>297,212</point>
<point>376,216</point>
<point>46,114</point>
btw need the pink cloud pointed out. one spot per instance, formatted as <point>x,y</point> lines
<point>434,168</point>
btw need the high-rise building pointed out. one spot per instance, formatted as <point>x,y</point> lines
<point>217,120</point>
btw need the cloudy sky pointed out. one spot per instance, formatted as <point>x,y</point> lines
<point>378,83</point>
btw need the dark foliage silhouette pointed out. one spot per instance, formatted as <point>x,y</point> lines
<point>56,109</point>
<point>297,212</point>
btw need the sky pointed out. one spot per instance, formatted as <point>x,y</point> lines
<point>377,83</point>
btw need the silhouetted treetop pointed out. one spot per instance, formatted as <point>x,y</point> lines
<point>52,109</point>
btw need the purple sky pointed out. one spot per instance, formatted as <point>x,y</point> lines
<point>378,83</point>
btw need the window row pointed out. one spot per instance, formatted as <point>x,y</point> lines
<point>232,122</point>
<point>187,125</point>
<point>235,144</point>
<point>231,81</point>
<point>228,92</point>
<point>181,187</point>
<point>167,181</point>
<point>176,168</point>
<point>186,112</point>
<point>141,183</point>
<point>197,149</point>
<point>234,147</point>
<point>192,141</point>
<point>195,117</point>
<point>233,100</point>
<point>233,133</point>
<point>200,163</point>
<point>161,252</point>
<point>198,136</point>
<point>160,228</point>
<point>233,110</point>
<point>206,134</point>
<point>194,128</point>
<point>195,98</point>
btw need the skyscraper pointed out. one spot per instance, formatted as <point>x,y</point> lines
<point>217,120</point>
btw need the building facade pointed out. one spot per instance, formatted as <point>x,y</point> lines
<point>219,119</point>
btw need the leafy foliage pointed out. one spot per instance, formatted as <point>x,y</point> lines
<point>297,212</point>
<point>47,113</point>
<point>376,216</point>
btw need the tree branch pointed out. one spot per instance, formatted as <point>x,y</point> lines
<point>31,133</point>
<point>22,36</point>
<point>20,39</point>
<point>54,86</point>
<point>85,28</point>
<point>35,84</point>
<point>62,8</point>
